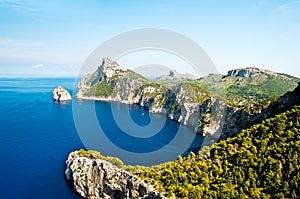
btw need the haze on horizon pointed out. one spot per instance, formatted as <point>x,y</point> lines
<point>55,37</point>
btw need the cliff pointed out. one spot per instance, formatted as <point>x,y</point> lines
<point>94,178</point>
<point>61,94</point>
<point>110,82</point>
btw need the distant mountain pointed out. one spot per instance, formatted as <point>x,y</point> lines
<point>173,74</point>
<point>153,71</point>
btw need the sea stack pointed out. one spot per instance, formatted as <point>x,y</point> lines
<point>61,94</point>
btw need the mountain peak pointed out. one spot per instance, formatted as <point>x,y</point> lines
<point>108,68</point>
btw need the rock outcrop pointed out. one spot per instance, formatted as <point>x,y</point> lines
<point>94,178</point>
<point>61,94</point>
<point>253,71</point>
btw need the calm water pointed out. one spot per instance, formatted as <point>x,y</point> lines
<point>36,135</point>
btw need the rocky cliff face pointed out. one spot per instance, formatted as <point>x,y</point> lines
<point>110,82</point>
<point>61,94</point>
<point>94,178</point>
<point>252,71</point>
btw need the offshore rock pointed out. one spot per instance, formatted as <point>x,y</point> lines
<point>61,94</point>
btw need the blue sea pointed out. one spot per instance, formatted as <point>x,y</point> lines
<point>37,134</point>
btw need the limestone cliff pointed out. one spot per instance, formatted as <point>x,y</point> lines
<point>61,94</point>
<point>253,71</point>
<point>110,82</point>
<point>94,178</point>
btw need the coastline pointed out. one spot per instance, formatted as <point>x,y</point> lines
<point>102,99</point>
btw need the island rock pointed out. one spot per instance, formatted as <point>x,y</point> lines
<point>61,94</point>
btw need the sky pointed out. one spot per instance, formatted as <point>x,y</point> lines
<point>54,38</point>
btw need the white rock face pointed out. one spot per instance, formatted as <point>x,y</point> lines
<point>109,68</point>
<point>93,178</point>
<point>61,94</point>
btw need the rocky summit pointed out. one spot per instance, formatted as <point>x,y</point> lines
<point>94,178</point>
<point>61,94</point>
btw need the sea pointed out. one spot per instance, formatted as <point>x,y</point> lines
<point>37,134</point>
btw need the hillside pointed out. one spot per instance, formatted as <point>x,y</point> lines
<point>261,162</point>
<point>247,85</point>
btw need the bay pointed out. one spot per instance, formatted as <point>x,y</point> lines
<point>37,134</point>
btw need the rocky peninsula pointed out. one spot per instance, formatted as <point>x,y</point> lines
<point>94,178</point>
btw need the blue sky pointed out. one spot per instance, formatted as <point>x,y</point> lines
<point>55,37</point>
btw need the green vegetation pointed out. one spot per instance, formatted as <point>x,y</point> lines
<point>158,90</point>
<point>261,162</point>
<point>272,87</point>
<point>241,91</point>
<point>196,93</point>
<point>171,82</point>
<point>102,89</point>
<point>119,163</point>
<point>96,154</point>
